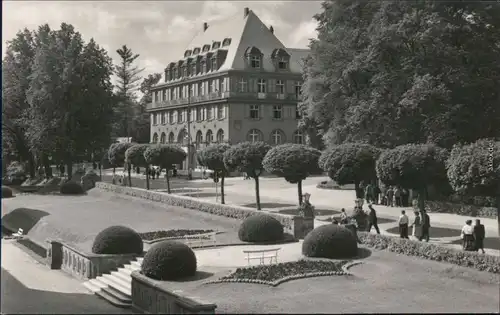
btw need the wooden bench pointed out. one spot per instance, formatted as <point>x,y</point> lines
<point>262,254</point>
<point>208,239</point>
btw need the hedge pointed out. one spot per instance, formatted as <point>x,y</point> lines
<point>230,211</point>
<point>461,209</point>
<point>481,262</point>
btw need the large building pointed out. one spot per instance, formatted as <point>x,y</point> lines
<point>235,82</point>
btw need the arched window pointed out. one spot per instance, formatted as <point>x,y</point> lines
<point>182,137</point>
<point>199,138</point>
<point>171,137</point>
<point>163,137</point>
<point>277,137</point>
<point>155,137</point>
<point>209,137</point>
<point>220,135</point>
<point>298,137</point>
<point>254,135</point>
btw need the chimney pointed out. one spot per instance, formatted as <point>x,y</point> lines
<point>246,11</point>
<point>205,26</point>
<point>271,29</point>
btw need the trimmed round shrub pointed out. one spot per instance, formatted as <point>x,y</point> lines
<point>169,260</point>
<point>117,240</point>
<point>71,188</point>
<point>261,228</point>
<point>330,241</point>
<point>7,192</point>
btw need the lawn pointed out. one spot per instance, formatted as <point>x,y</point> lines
<point>435,232</point>
<point>268,205</point>
<point>317,212</point>
<point>489,242</point>
<point>379,285</point>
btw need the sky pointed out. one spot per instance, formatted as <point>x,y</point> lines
<point>157,30</point>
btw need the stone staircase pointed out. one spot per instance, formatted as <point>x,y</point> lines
<point>116,287</point>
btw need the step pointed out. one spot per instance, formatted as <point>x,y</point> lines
<point>123,298</point>
<point>122,276</point>
<point>136,264</point>
<point>132,267</point>
<point>92,287</point>
<point>112,299</point>
<point>125,270</point>
<point>119,285</point>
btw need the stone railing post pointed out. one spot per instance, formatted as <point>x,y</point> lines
<point>54,254</point>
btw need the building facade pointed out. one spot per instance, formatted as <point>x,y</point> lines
<point>235,82</point>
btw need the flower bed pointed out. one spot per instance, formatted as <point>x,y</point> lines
<point>149,236</point>
<point>278,273</point>
<point>434,252</point>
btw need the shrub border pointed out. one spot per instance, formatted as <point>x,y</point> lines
<point>175,238</point>
<point>429,251</point>
<point>292,224</point>
<point>276,283</point>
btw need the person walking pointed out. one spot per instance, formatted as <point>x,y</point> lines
<point>390,195</point>
<point>404,197</point>
<point>479,235</point>
<point>343,217</point>
<point>376,194</point>
<point>403,225</point>
<point>426,224</point>
<point>369,193</point>
<point>467,234</point>
<point>372,220</point>
<point>417,226</point>
<point>397,196</point>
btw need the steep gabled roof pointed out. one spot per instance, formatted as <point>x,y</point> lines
<point>297,58</point>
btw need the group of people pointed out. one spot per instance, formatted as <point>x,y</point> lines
<point>392,196</point>
<point>421,225</point>
<point>473,236</point>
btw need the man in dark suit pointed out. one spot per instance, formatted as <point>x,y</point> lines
<point>426,224</point>
<point>479,234</point>
<point>372,220</point>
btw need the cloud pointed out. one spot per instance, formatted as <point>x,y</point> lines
<point>157,30</point>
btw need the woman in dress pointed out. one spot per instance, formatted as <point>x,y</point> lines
<point>468,236</point>
<point>417,226</point>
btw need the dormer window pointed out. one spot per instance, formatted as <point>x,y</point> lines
<point>203,66</point>
<point>175,74</point>
<point>226,42</point>
<point>187,53</point>
<point>216,45</point>
<point>185,71</point>
<point>214,64</point>
<point>194,71</point>
<point>206,48</point>
<point>254,57</point>
<point>281,59</point>
<point>196,51</point>
<point>283,63</point>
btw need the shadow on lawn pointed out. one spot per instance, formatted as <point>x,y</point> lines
<point>23,218</point>
<point>489,243</point>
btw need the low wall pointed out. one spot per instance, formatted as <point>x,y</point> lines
<point>83,265</point>
<point>155,297</point>
<point>293,225</point>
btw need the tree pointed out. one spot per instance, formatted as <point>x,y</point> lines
<point>212,157</point>
<point>247,157</point>
<point>165,156</point>
<point>413,166</point>
<point>474,170</point>
<point>134,156</point>
<point>128,82</point>
<point>294,162</point>
<point>395,72</point>
<point>350,163</point>
<point>116,155</point>
<point>142,125</point>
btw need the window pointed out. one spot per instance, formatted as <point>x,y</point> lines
<point>220,136</point>
<point>255,61</point>
<point>277,112</point>
<point>180,91</point>
<point>172,94</point>
<point>220,111</point>
<point>206,48</point>
<point>283,63</point>
<point>187,53</point>
<point>155,119</point>
<point>226,42</point>
<point>280,87</point>
<point>215,45</point>
<point>254,112</point>
<point>155,138</point>
<point>242,85</point>
<point>298,115</point>
<point>192,90</point>
<point>209,137</point>
<point>261,86</point>
<point>164,92</point>
<point>171,137</point>
<point>185,71</point>
<point>298,89</point>
<point>171,117</point>
<point>199,137</point>
<point>196,51</point>
<point>200,88</point>
<point>213,86</point>
<point>254,135</point>
<point>163,137</point>
<point>179,116</point>
<point>214,64</point>
<point>194,71</point>
<point>175,74</point>
<point>191,115</point>
<point>298,137</point>
<point>209,113</point>
<point>199,114</point>
<point>277,137</point>
<point>163,118</point>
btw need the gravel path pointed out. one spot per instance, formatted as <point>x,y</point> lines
<point>385,283</point>
<point>79,219</point>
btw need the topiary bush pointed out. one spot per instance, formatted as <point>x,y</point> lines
<point>330,241</point>
<point>71,188</point>
<point>260,228</point>
<point>116,240</point>
<point>169,260</point>
<point>7,192</point>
